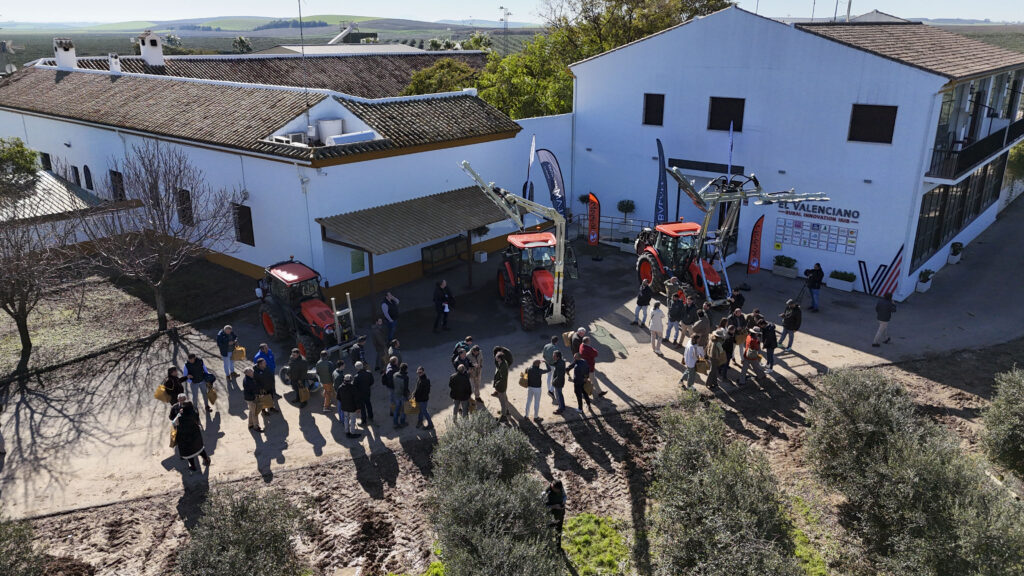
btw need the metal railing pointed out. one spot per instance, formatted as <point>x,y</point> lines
<point>612,228</point>
<point>952,164</point>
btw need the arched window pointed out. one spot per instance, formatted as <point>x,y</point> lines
<point>88,177</point>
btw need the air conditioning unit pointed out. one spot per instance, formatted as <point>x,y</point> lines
<point>297,137</point>
<point>363,136</point>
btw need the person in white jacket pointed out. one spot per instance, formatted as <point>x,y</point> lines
<point>657,327</point>
<point>690,356</point>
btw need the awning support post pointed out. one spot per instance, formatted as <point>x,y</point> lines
<point>469,256</point>
<point>373,293</point>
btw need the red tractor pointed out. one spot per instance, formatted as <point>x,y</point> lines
<point>527,278</point>
<point>294,309</point>
<point>673,250</point>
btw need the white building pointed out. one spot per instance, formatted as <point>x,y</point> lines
<point>904,125</point>
<point>309,141</point>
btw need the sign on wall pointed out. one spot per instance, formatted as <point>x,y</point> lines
<point>827,228</point>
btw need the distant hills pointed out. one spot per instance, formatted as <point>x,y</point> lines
<point>475,22</point>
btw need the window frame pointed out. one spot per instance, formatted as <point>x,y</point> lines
<point>184,208</point>
<point>661,116</point>
<point>88,176</point>
<point>878,108</point>
<point>45,162</point>
<point>353,253</point>
<point>725,100</point>
<point>76,176</point>
<point>117,192</point>
<point>243,234</point>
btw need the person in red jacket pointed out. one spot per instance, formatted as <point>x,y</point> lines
<point>589,354</point>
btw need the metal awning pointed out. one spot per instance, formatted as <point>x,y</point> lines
<point>391,227</point>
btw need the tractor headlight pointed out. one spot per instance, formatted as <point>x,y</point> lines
<point>329,329</point>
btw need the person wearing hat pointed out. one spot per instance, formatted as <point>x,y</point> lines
<point>791,320</point>
<point>717,358</point>
<point>297,369</point>
<point>751,356</point>
<point>348,404</point>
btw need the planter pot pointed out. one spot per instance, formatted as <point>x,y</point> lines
<point>784,272</point>
<point>841,285</point>
<point>951,259</point>
<point>923,287</point>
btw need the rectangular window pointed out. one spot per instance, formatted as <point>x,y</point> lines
<point>723,112</point>
<point>358,261</point>
<point>243,224</point>
<point>117,186</point>
<point>654,109</point>
<point>45,162</point>
<point>183,201</point>
<point>75,176</point>
<point>872,123</point>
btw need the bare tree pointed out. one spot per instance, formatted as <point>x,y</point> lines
<point>178,218</point>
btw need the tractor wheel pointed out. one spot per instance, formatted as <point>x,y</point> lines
<point>527,312</point>
<point>273,324</point>
<point>568,309</point>
<point>647,269</point>
<point>505,289</point>
<point>308,347</point>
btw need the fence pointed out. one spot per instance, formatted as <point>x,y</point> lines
<point>612,228</point>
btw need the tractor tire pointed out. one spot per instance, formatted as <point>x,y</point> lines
<point>647,269</point>
<point>569,309</point>
<point>506,290</point>
<point>273,323</point>
<point>527,312</point>
<point>308,347</point>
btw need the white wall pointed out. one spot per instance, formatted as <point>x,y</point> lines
<point>799,91</point>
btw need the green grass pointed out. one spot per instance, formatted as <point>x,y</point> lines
<point>810,559</point>
<point>136,26</point>
<point>436,568</point>
<point>595,545</point>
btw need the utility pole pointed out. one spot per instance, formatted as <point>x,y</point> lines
<point>505,13</point>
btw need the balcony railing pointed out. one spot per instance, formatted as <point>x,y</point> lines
<point>952,164</point>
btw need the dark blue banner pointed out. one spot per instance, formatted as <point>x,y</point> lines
<point>553,176</point>
<point>661,199</point>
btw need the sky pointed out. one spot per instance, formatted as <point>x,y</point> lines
<point>430,10</point>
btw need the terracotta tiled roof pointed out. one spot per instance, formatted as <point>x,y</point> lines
<point>363,75</point>
<point>230,116</point>
<point>414,222</point>
<point>921,46</point>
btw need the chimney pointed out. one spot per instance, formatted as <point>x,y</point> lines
<point>115,63</point>
<point>64,53</point>
<point>152,48</point>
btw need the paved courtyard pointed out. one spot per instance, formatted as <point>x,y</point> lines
<point>94,434</point>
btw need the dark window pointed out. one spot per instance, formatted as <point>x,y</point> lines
<point>152,42</point>
<point>45,162</point>
<point>183,198</point>
<point>116,185</point>
<point>872,123</point>
<point>243,224</point>
<point>75,176</point>
<point>654,109</point>
<point>725,111</point>
<point>88,177</point>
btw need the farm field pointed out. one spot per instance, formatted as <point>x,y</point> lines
<point>1009,36</point>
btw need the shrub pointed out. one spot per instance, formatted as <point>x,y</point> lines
<point>718,509</point>
<point>844,276</point>
<point>785,261</point>
<point>956,248</point>
<point>627,207</point>
<point>486,509</point>
<point>595,546</point>
<point>925,275</point>
<point>243,533</point>
<point>17,554</point>
<point>1003,435</point>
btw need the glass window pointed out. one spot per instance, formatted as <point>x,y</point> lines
<point>116,185</point>
<point>45,162</point>
<point>88,177</point>
<point>358,261</point>
<point>870,123</point>
<point>243,224</point>
<point>654,109</point>
<point>183,200</point>
<point>723,112</point>
<point>542,256</point>
<point>75,176</point>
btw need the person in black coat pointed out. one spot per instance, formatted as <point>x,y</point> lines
<point>265,381</point>
<point>173,383</point>
<point>815,278</point>
<point>643,299</point>
<point>185,420</point>
<point>421,393</point>
<point>364,384</point>
<point>297,369</point>
<point>251,389</point>
<point>580,373</point>
<point>349,402</point>
<point>770,341</point>
<point>461,392</point>
<point>558,380</point>
<point>792,317</point>
<point>443,302</point>
<point>555,500</point>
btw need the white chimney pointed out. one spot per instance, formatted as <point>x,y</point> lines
<point>64,53</point>
<point>115,63</point>
<point>152,48</point>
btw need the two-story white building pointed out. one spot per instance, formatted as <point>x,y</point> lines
<point>905,126</point>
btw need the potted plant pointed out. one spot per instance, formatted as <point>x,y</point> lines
<point>841,280</point>
<point>784,266</point>
<point>627,207</point>
<point>924,280</point>
<point>955,250</point>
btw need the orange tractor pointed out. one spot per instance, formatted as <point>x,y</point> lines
<point>527,279</point>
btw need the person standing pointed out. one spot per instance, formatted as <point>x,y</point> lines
<point>190,446</point>
<point>267,355</point>
<point>792,317</point>
<point>884,309</point>
<point>226,342</point>
<point>357,352</point>
<point>379,333</point>
<point>421,393</point>
<point>676,307</point>
<point>364,385</point>
<point>199,379</point>
<point>736,299</point>
<point>752,357</point>
<point>700,329</point>
<point>443,302</point>
<point>250,390</point>
<point>265,380</point>
<point>577,340</point>
<point>325,374</point>
<point>554,499</point>
<point>557,367</point>
<point>338,376</point>
<point>716,358</point>
<point>501,385</point>
<point>400,394</point>
<point>580,373</point>
<point>815,277</point>
<point>460,391</point>
<point>673,287</point>
<point>770,340</point>
<point>693,353</point>
<point>548,353</point>
<point>738,325</point>
<point>657,327</point>
<point>589,353</point>
<point>643,299</point>
<point>349,402</point>
<point>475,366</point>
<point>728,345</point>
<point>395,350</point>
<point>389,308</point>
<point>297,369</point>
<point>533,388</point>
<point>173,384</point>
<point>388,380</point>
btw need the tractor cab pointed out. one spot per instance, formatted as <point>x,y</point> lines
<point>670,250</point>
<point>531,251</point>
